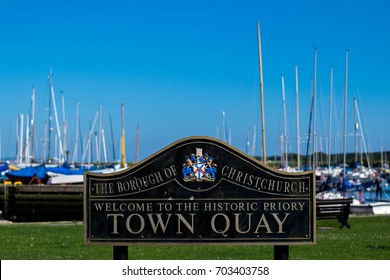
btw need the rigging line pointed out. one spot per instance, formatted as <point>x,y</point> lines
<point>363,118</point>
<point>308,135</point>
<point>362,133</point>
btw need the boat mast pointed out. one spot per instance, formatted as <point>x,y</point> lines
<point>382,166</point>
<point>50,119</point>
<point>104,146</point>
<point>27,144</point>
<point>247,147</point>
<point>330,116</point>
<point>17,139</point>
<point>81,142</point>
<point>89,138</point>
<point>282,154</point>
<point>254,141</point>
<point>65,126</point>
<point>136,153</point>
<point>345,111</point>
<point>112,139</point>
<point>123,151</point>
<point>77,132</point>
<point>309,134</point>
<point>44,144</point>
<point>361,131</point>
<point>32,124</point>
<point>297,110</point>
<point>99,144</point>
<point>61,151</point>
<point>261,93</point>
<point>284,125</point>
<point>314,110</point>
<point>21,140</point>
<point>224,127</point>
<point>356,127</point>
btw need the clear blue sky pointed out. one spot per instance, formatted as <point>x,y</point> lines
<point>177,65</point>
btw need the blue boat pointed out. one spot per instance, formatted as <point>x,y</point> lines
<point>4,167</point>
<point>29,175</point>
<point>65,171</point>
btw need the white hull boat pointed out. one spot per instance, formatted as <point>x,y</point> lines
<point>61,179</point>
<point>375,208</point>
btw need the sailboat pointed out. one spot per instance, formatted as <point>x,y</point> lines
<point>65,175</point>
<point>28,175</point>
<point>365,202</point>
<point>355,185</point>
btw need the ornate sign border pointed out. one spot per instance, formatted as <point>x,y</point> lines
<point>199,190</point>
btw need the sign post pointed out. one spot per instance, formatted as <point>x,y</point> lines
<point>199,190</point>
<point>281,252</point>
<point>120,253</point>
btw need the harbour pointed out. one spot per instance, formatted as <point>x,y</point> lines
<point>38,203</point>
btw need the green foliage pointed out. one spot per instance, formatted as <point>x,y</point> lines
<point>368,239</point>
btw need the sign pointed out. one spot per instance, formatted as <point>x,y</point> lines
<point>199,190</point>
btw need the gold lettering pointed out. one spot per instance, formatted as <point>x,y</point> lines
<point>224,170</point>
<point>239,175</point>
<point>189,226</point>
<point>271,185</point>
<point>114,222</point>
<point>264,181</point>
<point>246,176</point>
<point>263,223</point>
<point>286,187</point>
<point>104,188</point>
<point>294,206</point>
<point>227,224</point>
<point>279,186</point>
<point>237,222</point>
<point>250,182</point>
<point>173,169</point>
<point>132,185</point>
<point>141,223</point>
<point>257,181</point>
<point>231,173</point>
<point>280,223</point>
<point>159,223</point>
<point>302,187</point>
<point>158,177</point>
<point>294,187</point>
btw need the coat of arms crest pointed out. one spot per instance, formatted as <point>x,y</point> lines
<point>199,167</point>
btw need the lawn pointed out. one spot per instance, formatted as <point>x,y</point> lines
<point>368,239</point>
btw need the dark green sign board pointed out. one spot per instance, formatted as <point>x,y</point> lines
<point>199,190</point>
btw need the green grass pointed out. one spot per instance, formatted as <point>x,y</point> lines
<point>368,239</point>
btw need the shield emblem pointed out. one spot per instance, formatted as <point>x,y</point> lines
<point>199,170</point>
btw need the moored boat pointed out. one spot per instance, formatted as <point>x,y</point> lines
<point>375,208</point>
<point>29,175</point>
<point>62,179</point>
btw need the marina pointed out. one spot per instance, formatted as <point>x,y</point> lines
<point>45,202</point>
